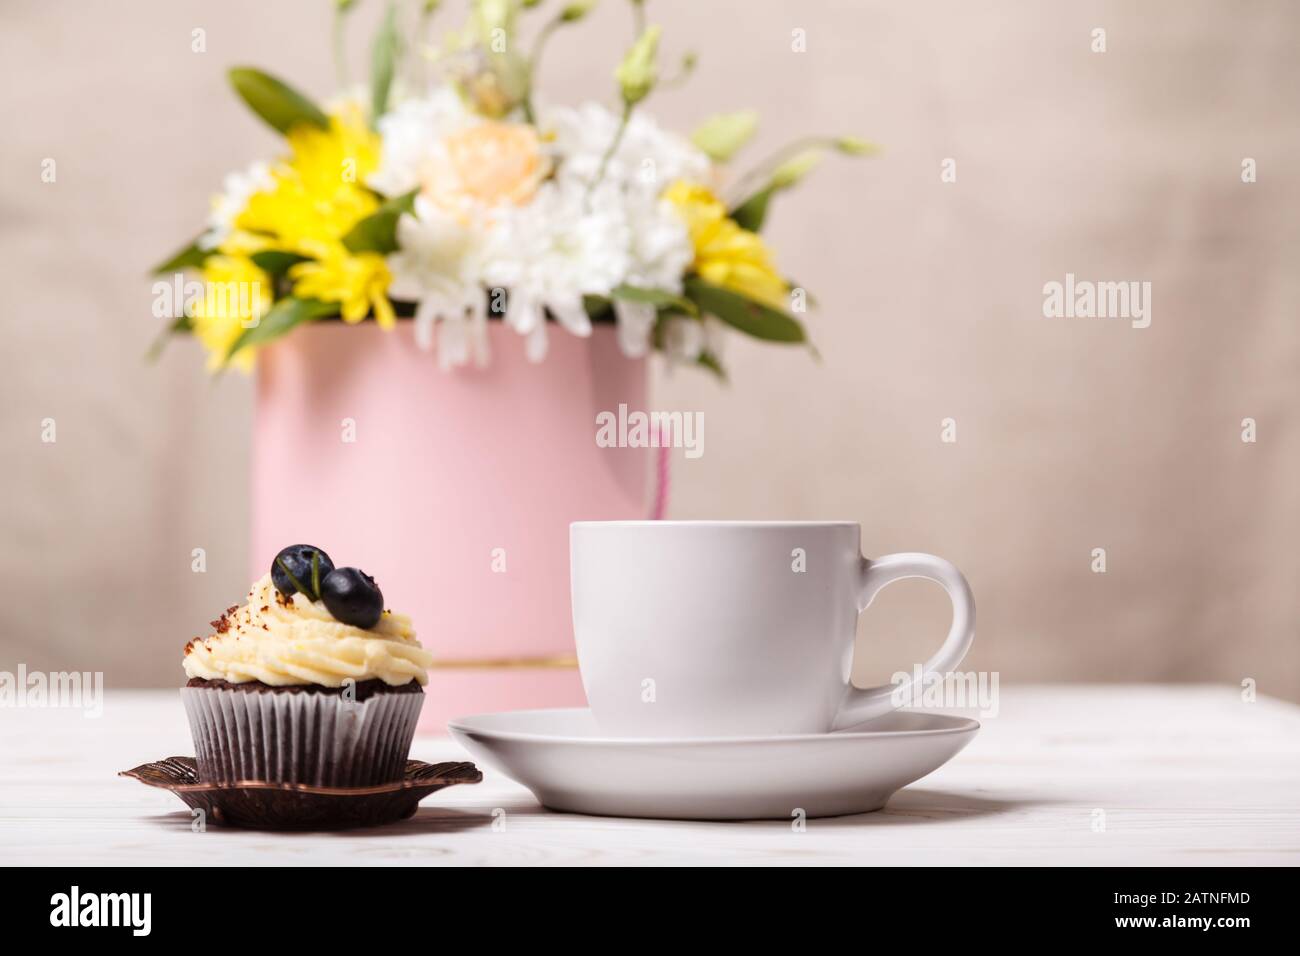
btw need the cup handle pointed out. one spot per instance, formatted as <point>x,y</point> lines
<point>861,704</point>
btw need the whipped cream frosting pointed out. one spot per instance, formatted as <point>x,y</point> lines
<point>282,641</point>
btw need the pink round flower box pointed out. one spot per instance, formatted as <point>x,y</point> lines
<point>454,489</point>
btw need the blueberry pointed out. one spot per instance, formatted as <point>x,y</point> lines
<point>353,597</point>
<point>293,570</point>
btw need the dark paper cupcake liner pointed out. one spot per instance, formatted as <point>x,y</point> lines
<point>322,740</point>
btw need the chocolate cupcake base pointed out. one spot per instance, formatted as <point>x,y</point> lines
<point>301,734</point>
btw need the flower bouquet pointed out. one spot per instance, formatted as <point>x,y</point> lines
<point>451,192</point>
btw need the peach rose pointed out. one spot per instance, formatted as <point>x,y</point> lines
<point>488,164</point>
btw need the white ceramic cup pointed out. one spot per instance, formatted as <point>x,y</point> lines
<point>736,628</point>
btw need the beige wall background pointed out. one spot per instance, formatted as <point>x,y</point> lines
<point>1072,434</point>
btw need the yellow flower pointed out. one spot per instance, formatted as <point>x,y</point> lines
<point>239,242</point>
<point>726,254</point>
<point>358,282</point>
<point>236,294</point>
<point>489,163</point>
<point>318,196</point>
<point>319,190</point>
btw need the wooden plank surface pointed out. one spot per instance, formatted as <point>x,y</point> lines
<point>1118,774</point>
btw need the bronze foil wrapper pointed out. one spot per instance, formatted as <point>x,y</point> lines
<point>262,805</point>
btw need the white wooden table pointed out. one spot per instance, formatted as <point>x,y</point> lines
<point>1130,774</point>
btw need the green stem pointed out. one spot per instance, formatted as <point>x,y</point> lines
<point>340,58</point>
<point>534,60</point>
<point>613,147</point>
<point>746,183</point>
<point>421,43</point>
<point>673,82</point>
<point>292,580</point>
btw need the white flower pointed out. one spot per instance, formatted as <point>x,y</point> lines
<point>462,331</point>
<point>685,340</point>
<point>574,236</point>
<point>412,135</point>
<point>236,189</point>
<point>547,255</point>
<point>438,263</point>
<point>636,325</point>
<point>659,254</point>
<point>647,158</point>
<point>645,161</point>
<point>661,249</point>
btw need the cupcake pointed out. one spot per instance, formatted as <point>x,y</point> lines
<point>311,681</point>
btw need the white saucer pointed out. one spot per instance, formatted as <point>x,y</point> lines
<point>560,756</point>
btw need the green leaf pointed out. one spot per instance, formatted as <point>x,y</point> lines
<point>178,326</point>
<point>710,361</point>
<point>191,257</point>
<point>751,213</point>
<point>281,106</point>
<point>722,135</point>
<point>659,298</point>
<point>795,168</point>
<point>378,231</point>
<point>597,307</point>
<point>577,10</point>
<point>282,317</point>
<point>297,585</point>
<point>753,318</point>
<point>855,146</point>
<point>276,262</point>
<point>383,58</point>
